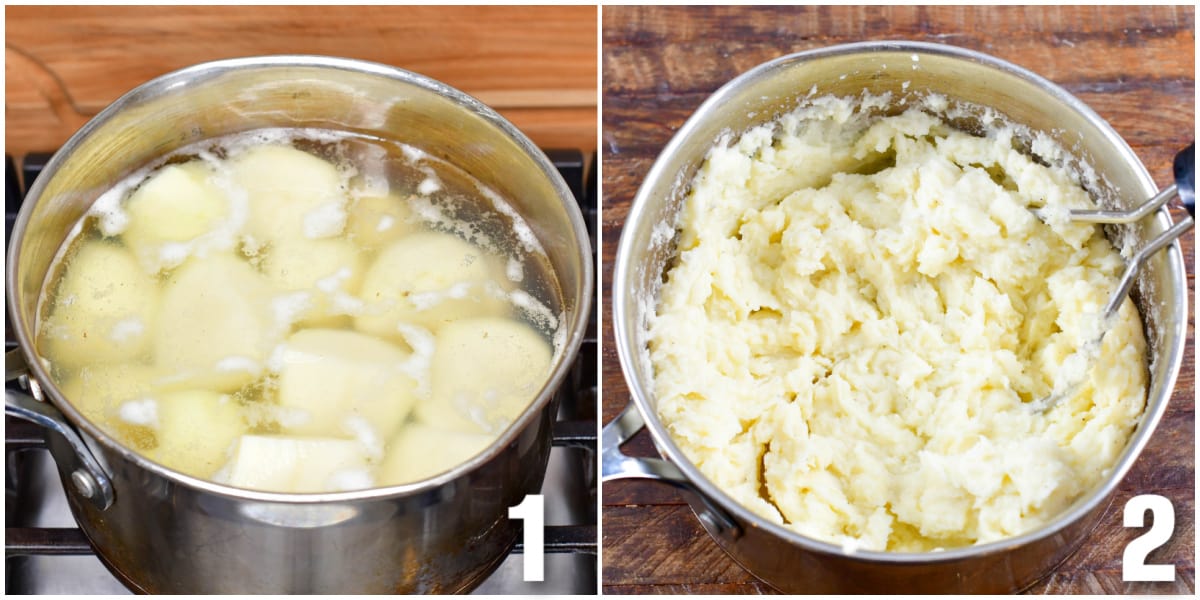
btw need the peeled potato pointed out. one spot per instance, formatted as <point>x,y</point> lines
<point>214,330</point>
<point>333,374</point>
<point>292,194</point>
<point>177,204</point>
<point>409,457</point>
<point>484,373</point>
<point>282,463</point>
<point>98,391</point>
<point>301,264</point>
<point>325,267</point>
<point>378,220</point>
<point>196,429</point>
<point>103,311</point>
<point>427,279</point>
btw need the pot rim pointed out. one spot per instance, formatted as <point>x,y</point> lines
<point>628,354</point>
<point>176,78</point>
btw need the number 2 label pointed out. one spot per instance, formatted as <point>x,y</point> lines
<point>532,511</point>
<point>1133,563</point>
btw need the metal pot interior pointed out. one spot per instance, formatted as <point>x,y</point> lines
<point>905,70</point>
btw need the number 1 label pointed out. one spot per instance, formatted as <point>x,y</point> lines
<point>1133,563</point>
<point>532,511</point>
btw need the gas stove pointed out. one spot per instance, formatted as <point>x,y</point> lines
<point>46,553</point>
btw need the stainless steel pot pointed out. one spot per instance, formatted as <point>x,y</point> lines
<point>783,558</point>
<point>160,531</point>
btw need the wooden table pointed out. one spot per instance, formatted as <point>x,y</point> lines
<point>534,65</point>
<point>1134,66</point>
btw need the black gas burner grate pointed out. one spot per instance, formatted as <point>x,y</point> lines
<point>574,434</point>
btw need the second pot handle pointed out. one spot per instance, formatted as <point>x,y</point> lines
<point>616,465</point>
<point>88,478</point>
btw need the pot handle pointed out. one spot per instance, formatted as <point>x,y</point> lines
<point>90,481</point>
<point>616,465</point>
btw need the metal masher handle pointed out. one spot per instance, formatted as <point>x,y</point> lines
<point>1185,177</point>
<point>1185,187</point>
<point>1163,240</point>
<point>1090,215</point>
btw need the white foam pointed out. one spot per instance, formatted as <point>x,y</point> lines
<point>326,220</point>
<point>108,209</point>
<point>365,434</point>
<point>127,329</point>
<point>429,185</point>
<point>537,312</point>
<point>428,212</point>
<point>373,180</point>
<point>386,222</point>
<point>350,479</point>
<point>143,411</point>
<point>332,283</point>
<point>277,136</point>
<point>423,345</point>
<point>514,270</point>
<point>238,364</point>
<point>525,235</point>
<point>289,417</point>
<point>427,300</point>
<point>559,339</point>
<point>278,358</point>
<point>474,407</point>
<point>171,255</point>
<point>413,154</point>
<point>431,214</point>
<point>345,304</point>
<point>288,308</point>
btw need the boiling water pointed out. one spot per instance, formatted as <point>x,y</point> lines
<point>302,311</point>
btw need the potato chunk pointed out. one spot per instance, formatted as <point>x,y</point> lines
<point>196,430</point>
<point>103,310</point>
<point>329,270</point>
<point>379,220</point>
<point>283,463</point>
<point>484,373</point>
<point>427,279</point>
<point>177,204</point>
<point>410,458</point>
<point>292,194</point>
<point>214,329</point>
<point>334,375</point>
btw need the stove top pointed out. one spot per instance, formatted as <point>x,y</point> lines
<point>45,553</point>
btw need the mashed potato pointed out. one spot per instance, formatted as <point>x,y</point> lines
<point>859,315</point>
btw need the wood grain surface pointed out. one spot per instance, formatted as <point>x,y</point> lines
<point>1135,66</point>
<point>535,65</point>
